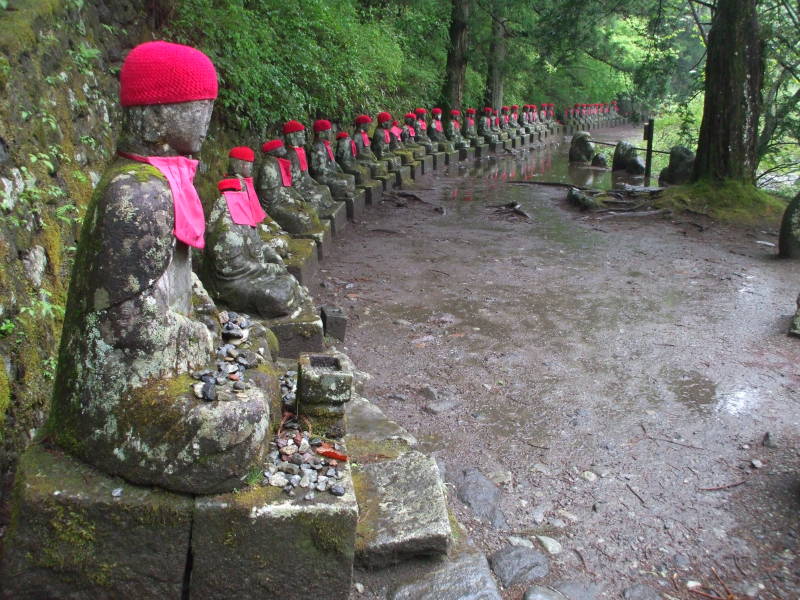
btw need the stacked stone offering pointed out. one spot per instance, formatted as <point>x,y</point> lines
<point>300,463</point>
<point>288,383</point>
<point>234,357</point>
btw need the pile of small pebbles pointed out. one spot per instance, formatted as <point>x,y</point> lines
<point>234,357</point>
<point>288,383</point>
<point>295,466</point>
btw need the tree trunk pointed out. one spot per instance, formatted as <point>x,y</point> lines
<point>726,148</point>
<point>456,56</point>
<point>496,66</point>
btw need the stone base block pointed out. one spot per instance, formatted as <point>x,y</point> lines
<point>439,160</point>
<point>451,158</point>
<point>300,333</point>
<point>403,176</point>
<point>508,145</point>
<point>496,146</point>
<point>403,511</point>
<point>466,576</point>
<point>427,163</point>
<point>355,205</point>
<point>334,321</point>
<point>466,154</point>
<point>260,543</point>
<point>337,218</point>
<point>416,169</point>
<point>77,533</point>
<point>372,191</point>
<point>481,150</point>
<point>302,261</point>
<point>323,239</point>
<point>387,181</point>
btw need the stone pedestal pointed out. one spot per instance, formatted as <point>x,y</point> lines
<point>324,385</point>
<point>495,146</point>
<point>337,218</point>
<point>77,533</point>
<point>439,160</point>
<point>334,321</point>
<point>323,239</point>
<point>302,262</point>
<point>451,158</point>
<point>427,163</point>
<point>355,205</point>
<point>299,333</point>
<point>372,191</point>
<point>481,150</point>
<point>261,543</point>
<point>466,154</point>
<point>403,176</point>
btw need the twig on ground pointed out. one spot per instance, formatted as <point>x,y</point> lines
<point>723,487</point>
<point>632,491</point>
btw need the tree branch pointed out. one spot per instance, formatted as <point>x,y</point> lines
<point>697,22</point>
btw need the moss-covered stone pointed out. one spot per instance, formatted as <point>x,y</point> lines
<point>261,543</point>
<point>789,239</point>
<point>64,539</point>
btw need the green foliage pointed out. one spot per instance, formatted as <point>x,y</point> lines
<point>297,58</point>
<point>84,56</point>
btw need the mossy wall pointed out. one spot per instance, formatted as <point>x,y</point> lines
<point>59,62</point>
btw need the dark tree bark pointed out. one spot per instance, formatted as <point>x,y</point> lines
<point>453,92</point>
<point>726,148</point>
<point>496,66</point>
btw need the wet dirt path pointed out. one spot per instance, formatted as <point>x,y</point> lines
<point>606,374</point>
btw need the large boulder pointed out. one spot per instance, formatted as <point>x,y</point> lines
<point>679,170</point>
<point>789,239</point>
<point>581,149</point>
<point>627,159</point>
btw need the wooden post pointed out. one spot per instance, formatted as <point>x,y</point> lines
<point>648,161</point>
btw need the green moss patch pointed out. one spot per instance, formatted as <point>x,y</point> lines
<point>729,201</point>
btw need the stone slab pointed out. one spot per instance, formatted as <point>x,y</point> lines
<point>466,578</point>
<point>427,163</point>
<point>372,191</point>
<point>467,154</point>
<point>302,332</point>
<point>261,543</point>
<point>439,160</point>
<point>481,150</point>
<point>508,145</point>
<point>416,169</point>
<point>355,205</point>
<point>451,158</point>
<point>495,146</point>
<point>369,424</point>
<point>303,261</point>
<point>323,239</point>
<point>337,218</point>
<point>403,176</point>
<point>403,511</point>
<point>77,533</point>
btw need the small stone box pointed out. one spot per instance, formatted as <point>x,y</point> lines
<point>334,321</point>
<point>324,385</point>
<point>78,533</point>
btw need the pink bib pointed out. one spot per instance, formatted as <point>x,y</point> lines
<point>364,139</point>
<point>301,156</point>
<point>286,171</point>
<point>386,137</point>
<point>256,211</point>
<point>422,125</point>
<point>239,207</point>
<point>437,125</point>
<point>190,222</point>
<point>470,122</point>
<point>353,148</point>
<point>328,148</point>
<point>411,131</point>
<point>396,131</point>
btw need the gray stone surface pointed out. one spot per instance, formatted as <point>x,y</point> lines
<point>403,511</point>
<point>77,533</point>
<point>581,149</point>
<point>299,332</point>
<point>641,592</point>
<point>680,167</point>
<point>540,592</point>
<point>476,491</point>
<point>260,543</point>
<point>368,422</point>
<point>466,578</point>
<point>578,590</point>
<point>789,238</point>
<point>324,383</point>
<point>518,565</point>
<point>335,321</point>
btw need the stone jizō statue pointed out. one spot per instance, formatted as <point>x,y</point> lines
<point>485,128</point>
<point>365,155</point>
<point>324,167</point>
<point>346,154</point>
<point>314,193</point>
<point>123,400</point>
<point>278,196</point>
<point>436,131</point>
<point>239,269</point>
<point>453,130</point>
<point>382,141</point>
<point>421,129</point>
<point>581,150</point>
<point>470,130</point>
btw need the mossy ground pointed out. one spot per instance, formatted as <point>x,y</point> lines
<point>732,202</point>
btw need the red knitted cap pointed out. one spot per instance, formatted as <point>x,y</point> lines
<point>533,106</point>
<point>383,117</point>
<point>455,112</point>
<point>293,126</point>
<point>242,153</point>
<point>409,116</point>
<point>363,119</point>
<point>230,185</point>
<point>341,135</point>
<point>322,125</point>
<point>165,73</point>
<point>471,111</point>
<point>436,111</point>
<point>421,111</point>
<point>395,123</point>
<point>271,145</point>
<point>487,109</point>
<point>504,108</point>
<point>514,106</point>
